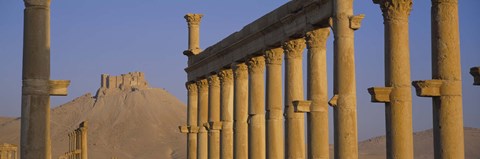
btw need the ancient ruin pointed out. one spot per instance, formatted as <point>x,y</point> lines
<point>77,139</point>
<point>283,34</point>
<point>131,80</point>
<point>8,151</point>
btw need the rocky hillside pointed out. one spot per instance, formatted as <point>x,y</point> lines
<point>127,124</point>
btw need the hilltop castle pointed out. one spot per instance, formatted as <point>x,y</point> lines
<point>125,82</point>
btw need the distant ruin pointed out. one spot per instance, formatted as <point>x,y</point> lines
<point>131,80</point>
<point>8,151</point>
<point>77,148</point>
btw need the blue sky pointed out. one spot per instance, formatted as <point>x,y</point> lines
<point>91,37</point>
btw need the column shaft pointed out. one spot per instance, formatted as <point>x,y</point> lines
<point>192,120</point>
<point>35,125</point>
<point>213,117</point>
<point>193,21</point>
<point>240,111</point>
<point>345,112</point>
<point>447,109</point>
<point>274,114</point>
<point>398,111</point>
<point>256,109</point>
<point>295,122</point>
<point>202,147</point>
<point>317,118</point>
<point>84,143</point>
<point>226,116</point>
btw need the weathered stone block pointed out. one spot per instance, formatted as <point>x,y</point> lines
<point>333,101</point>
<point>301,106</point>
<point>183,129</point>
<point>428,88</point>
<point>215,125</point>
<point>475,72</point>
<point>380,94</point>
<point>59,87</point>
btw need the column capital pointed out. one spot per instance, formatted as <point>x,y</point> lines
<point>274,56</point>
<point>256,64</point>
<point>202,84</point>
<point>226,76</point>
<point>193,19</point>
<point>294,48</point>
<point>317,38</point>
<point>240,70</point>
<point>29,3</point>
<point>395,9</point>
<point>213,81</point>
<point>191,87</point>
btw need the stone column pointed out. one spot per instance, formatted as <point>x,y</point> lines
<point>193,21</point>
<point>275,135</point>
<point>295,121</point>
<point>84,141</point>
<point>446,86</point>
<point>475,72</point>
<point>256,108</point>
<point>226,115</point>
<point>240,111</point>
<point>344,101</point>
<point>192,120</point>
<point>202,147</point>
<point>317,118</point>
<point>35,125</point>
<point>214,124</point>
<point>397,93</point>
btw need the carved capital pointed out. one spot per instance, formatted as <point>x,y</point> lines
<point>202,84</point>
<point>213,81</point>
<point>240,70</point>
<point>317,38</point>
<point>294,48</point>
<point>44,3</point>
<point>256,64</point>
<point>395,9</point>
<point>226,76</point>
<point>193,19</point>
<point>274,56</point>
<point>191,86</point>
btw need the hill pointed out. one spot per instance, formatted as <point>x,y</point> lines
<point>127,124</point>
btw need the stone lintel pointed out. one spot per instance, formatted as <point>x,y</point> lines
<point>302,106</point>
<point>380,94</point>
<point>59,87</point>
<point>475,72</point>
<point>265,32</point>
<point>356,21</point>
<point>428,88</point>
<point>215,125</point>
<point>183,129</point>
<point>333,101</point>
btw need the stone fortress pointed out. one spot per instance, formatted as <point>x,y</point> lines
<point>131,80</point>
<point>125,82</point>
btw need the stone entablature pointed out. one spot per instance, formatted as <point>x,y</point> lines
<point>8,151</point>
<point>289,21</point>
<point>131,80</point>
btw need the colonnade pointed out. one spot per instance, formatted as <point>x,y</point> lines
<point>240,105</point>
<point>8,151</point>
<point>254,99</point>
<point>77,143</point>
